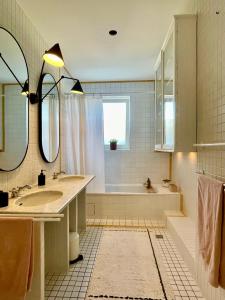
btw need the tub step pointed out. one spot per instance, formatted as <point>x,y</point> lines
<point>183,232</point>
<point>123,222</point>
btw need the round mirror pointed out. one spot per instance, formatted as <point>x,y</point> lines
<point>48,118</point>
<point>14,107</point>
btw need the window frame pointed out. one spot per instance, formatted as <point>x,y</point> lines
<point>120,99</point>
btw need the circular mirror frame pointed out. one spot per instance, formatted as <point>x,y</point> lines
<point>40,118</point>
<point>28,115</point>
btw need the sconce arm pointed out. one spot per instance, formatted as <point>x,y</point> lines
<point>11,71</point>
<point>74,79</point>
<point>52,88</point>
<point>62,77</point>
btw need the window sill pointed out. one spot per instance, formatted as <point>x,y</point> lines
<point>118,149</point>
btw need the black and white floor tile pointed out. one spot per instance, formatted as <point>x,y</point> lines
<point>183,285</point>
<point>74,284</point>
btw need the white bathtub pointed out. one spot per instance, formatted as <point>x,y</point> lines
<point>127,188</point>
<point>131,201</point>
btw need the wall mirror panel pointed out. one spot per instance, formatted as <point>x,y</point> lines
<point>48,118</point>
<point>14,107</point>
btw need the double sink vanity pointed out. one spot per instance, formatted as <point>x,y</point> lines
<point>57,208</point>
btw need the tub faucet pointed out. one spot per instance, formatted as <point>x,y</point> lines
<point>148,184</point>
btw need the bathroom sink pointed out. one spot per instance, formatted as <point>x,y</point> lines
<point>71,178</point>
<point>39,198</point>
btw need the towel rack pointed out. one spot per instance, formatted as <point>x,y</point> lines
<point>209,145</point>
<point>203,172</point>
<point>36,217</point>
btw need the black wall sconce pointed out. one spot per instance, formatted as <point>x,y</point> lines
<point>25,87</point>
<point>76,89</point>
<point>53,57</point>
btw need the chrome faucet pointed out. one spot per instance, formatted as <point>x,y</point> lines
<point>15,192</point>
<point>55,175</point>
<point>148,184</point>
<point>26,186</point>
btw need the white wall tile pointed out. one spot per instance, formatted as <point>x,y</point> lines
<point>140,162</point>
<point>13,19</point>
<point>210,118</point>
<point>210,103</point>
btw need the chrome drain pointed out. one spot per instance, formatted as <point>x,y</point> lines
<point>159,236</point>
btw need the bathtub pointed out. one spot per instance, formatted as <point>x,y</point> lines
<point>132,201</point>
<point>128,188</point>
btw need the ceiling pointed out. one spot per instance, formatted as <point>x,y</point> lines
<point>90,53</point>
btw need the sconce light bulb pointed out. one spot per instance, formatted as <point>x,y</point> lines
<point>25,90</point>
<point>77,92</point>
<point>77,88</point>
<point>54,56</point>
<point>53,60</point>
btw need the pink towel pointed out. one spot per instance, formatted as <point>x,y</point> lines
<point>211,226</point>
<point>16,257</point>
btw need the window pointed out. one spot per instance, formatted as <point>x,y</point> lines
<point>116,112</point>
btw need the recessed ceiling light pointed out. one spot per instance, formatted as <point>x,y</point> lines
<point>113,32</point>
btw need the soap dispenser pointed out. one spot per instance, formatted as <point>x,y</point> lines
<point>41,178</point>
<point>4,199</point>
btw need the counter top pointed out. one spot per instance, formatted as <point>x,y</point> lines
<point>69,190</point>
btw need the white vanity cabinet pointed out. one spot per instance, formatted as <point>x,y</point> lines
<point>52,223</point>
<point>175,88</point>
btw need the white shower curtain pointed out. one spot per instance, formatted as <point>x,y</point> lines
<point>83,138</point>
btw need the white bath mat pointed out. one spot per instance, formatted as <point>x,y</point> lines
<point>126,268</point>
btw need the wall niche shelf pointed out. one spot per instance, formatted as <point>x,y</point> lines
<point>210,145</point>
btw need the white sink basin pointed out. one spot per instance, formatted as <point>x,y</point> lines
<point>71,178</point>
<point>39,198</point>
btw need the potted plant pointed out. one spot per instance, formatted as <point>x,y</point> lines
<point>113,144</point>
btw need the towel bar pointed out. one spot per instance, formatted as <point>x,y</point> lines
<point>36,217</point>
<point>210,145</point>
<point>211,175</point>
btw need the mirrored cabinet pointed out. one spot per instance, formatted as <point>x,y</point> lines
<point>158,106</point>
<point>175,87</point>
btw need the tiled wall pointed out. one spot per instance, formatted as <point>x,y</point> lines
<point>140,162</point>
<point>13,19</point>
<point>211,96</point>
<point>210,119</point>
<point>145,206</point>
<point>183,174</point>
<point>211,101</point>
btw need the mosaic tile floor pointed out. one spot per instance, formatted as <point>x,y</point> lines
<point>135,222</point>
<point>74,284</point>
<point>180,278</point>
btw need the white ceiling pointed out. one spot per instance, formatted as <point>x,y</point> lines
<point>81,27</point>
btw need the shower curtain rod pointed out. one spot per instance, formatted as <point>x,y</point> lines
<point>116,93</point>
